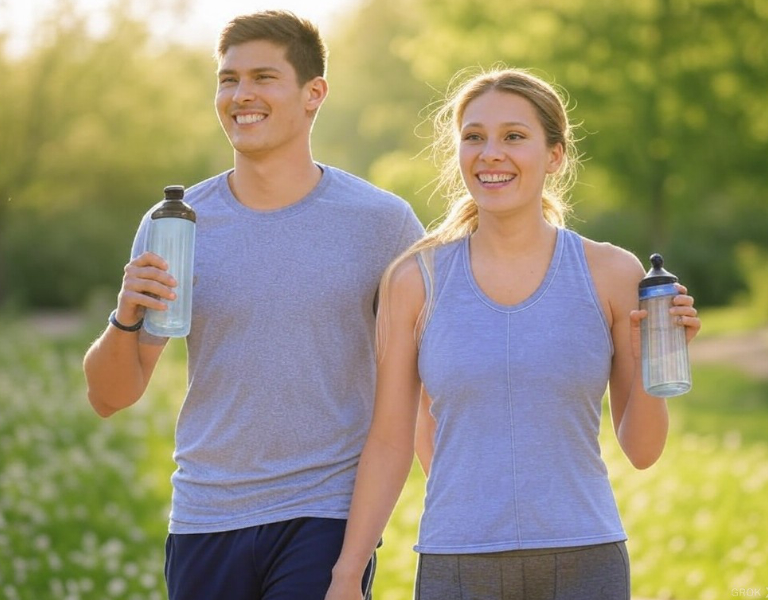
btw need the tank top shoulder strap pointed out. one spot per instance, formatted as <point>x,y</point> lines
<point>436,266</point>
<point>574,250</point>
<point>426,261</point>
<point>576,259</point>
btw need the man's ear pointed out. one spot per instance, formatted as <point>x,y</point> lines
<point>316,90</point>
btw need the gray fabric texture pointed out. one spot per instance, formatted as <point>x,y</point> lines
<point>281,351</point>
<point>517,395</point>
<point>599,572</point>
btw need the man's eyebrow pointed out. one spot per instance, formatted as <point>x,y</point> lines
<point>254,71</point>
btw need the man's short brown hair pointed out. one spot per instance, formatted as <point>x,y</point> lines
<point>304,48</point>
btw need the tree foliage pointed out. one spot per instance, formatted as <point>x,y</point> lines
<point>92,129</point>
<point>670,95</point>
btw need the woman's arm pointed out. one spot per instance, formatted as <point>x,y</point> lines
<point>388,453</point>
<point>641,421</point>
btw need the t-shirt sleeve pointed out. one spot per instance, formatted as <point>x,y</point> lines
<point>412,231</point>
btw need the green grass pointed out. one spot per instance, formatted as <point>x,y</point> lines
<point>84,501</point>
<point>732,319</point>
<point>698,520</point>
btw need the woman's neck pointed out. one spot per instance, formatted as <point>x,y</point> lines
<point>513,238</point>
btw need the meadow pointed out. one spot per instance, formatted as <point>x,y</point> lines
<point>84,501</point>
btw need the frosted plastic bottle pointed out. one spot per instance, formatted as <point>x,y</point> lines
<point>666,368</point>
<point>172,236</point>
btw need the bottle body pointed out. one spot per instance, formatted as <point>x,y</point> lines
<point>173,239</point>
<point>666,367</point>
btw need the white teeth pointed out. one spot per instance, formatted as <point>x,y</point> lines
<point>494,178</point>
<point>246,119</point>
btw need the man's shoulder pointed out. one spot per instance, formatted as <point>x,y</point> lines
<point>205,188</point>
<point>362,191</point>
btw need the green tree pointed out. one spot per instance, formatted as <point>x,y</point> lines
<point>92,129</point>
<point>370,123</point>
<point>670,94</point>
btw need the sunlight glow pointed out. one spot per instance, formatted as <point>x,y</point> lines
<point>200,24</point>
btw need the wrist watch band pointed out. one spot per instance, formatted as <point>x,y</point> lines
<point>113,320</point>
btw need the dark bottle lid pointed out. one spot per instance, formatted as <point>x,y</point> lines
<point>173,206</point>
<point>657,274</point>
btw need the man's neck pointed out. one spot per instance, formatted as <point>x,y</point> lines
<point>266,184</point>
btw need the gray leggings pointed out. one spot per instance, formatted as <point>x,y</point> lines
<point>599,572</point>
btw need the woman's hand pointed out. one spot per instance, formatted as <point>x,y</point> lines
<point>344,588</point>
<point>682,310</point>
<point>685,313</point>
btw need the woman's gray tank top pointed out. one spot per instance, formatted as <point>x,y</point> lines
<point>516,393</point>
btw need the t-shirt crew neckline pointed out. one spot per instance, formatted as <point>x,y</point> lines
<point>549,276</point>
<point>279,213</point>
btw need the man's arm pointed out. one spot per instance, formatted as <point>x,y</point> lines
<point>117,366</point>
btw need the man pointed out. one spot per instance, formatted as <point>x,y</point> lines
<point>288,258</point>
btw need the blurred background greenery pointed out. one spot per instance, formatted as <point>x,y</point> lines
<point>671,96</point>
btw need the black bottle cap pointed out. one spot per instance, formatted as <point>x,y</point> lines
<point>174,192</point>
<point>657,274</point>
<point>174,205</point>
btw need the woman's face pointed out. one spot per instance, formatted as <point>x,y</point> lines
<point>503,152</point>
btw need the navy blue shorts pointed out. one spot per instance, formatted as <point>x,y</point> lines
<point>289,560</point>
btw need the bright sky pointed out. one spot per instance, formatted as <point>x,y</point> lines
<point>202,24</point>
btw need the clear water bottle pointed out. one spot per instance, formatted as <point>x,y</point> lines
<point>172,237</point>
<point>666,369</point>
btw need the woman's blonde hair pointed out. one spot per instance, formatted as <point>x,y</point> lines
<point>460,217</point>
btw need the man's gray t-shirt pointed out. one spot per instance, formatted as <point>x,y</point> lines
<point>281,351</point>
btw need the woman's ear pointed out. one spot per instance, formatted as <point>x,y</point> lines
<point>556,155</point>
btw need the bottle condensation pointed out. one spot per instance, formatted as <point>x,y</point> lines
<point>666,367</point>
<point>172,237</point>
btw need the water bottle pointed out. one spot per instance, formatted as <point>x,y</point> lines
<point>666,369</point>
<point>172,236</point>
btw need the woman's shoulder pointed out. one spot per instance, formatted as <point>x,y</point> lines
<point>608,260</point>
<point>406,270</point>
<point>402,291</point>
<point>409,272</point>
<point>616,273</point>
<point>406,280</point>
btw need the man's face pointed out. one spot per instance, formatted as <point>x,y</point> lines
<point>260,104</point>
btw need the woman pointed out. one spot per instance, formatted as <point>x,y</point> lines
<point>514,326</point>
